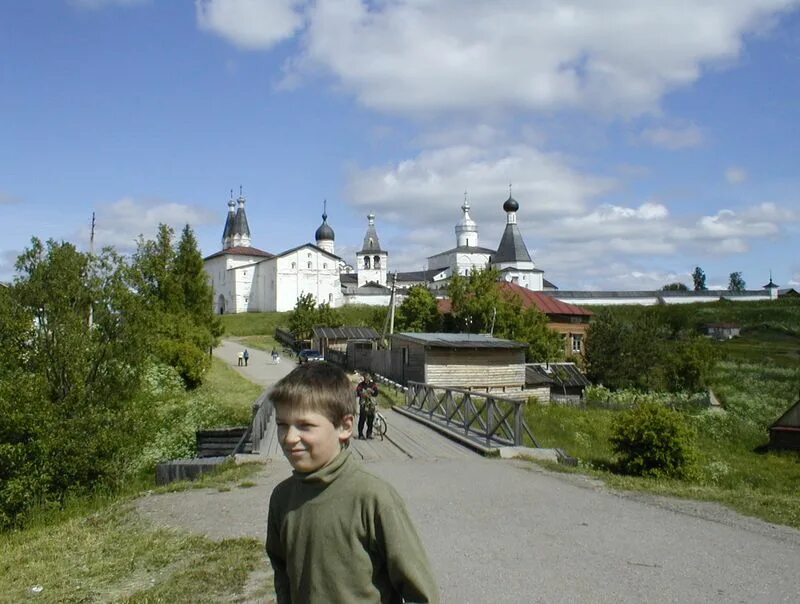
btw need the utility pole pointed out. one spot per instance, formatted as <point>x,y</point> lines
<point>91,265</point>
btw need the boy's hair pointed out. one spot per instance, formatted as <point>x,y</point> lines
<point>319,387</point>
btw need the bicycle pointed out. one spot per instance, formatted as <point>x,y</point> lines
<point>379,424</point>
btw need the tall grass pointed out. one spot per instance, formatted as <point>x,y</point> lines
<point>732,467</point>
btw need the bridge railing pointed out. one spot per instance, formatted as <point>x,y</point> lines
<point>489,419</point>
<point>262,414</point>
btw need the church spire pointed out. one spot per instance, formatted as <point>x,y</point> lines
<point>241,230</point>
<point>227,232</point>
<point>466,229</point>
<point>324,235</point>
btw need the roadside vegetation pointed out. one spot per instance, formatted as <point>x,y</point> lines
<point>94,548</point>
<point>756,377</point>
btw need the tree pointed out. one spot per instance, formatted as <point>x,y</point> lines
<point>699,278</point>
<point>646,349</point>
<point>418,312</point>
<point>480,305</point>
<point>67,388</point>
<point>172,282</point>
<point>736,283</point>
<point>675,287</point>
<point>475,300</point>
<point>303,317</point>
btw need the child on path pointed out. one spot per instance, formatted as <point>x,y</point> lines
<point>246,356</point>
<point>336,533</point>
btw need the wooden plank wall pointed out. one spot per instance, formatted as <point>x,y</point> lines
<point>486,368</point>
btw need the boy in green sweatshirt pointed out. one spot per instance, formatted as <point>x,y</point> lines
<point>336,533</point>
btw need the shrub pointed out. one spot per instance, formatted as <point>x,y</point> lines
<point>652,440</point>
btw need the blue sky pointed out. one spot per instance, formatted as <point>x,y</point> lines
<point>641,140</point>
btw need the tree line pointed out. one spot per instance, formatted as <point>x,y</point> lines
<point>79,333</point>
<point>736,282</point>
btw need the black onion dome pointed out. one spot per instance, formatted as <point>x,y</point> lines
<point>511,205</point>
<point>324,232</point>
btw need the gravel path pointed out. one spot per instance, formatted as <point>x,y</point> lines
<point>508,531</point>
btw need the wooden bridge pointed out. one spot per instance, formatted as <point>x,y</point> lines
<point>433,423</point>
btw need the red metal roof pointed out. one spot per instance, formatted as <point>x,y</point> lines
<point>528,298</point>
<point>547,304</point>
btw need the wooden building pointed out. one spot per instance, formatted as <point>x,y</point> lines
<point>785,432</point>
<point>325,339</point>
<point>722,331</point>
<point>460,360</point>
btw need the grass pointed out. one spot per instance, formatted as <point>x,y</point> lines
<point>113,556</point>
<point>731,468</point>
<point>763,344</point>
<point>254,323</point>
<point>233,394</point>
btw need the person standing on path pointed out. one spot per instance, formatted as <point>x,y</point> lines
<point>245,356</point>
<point>240,359</point>
<point>320,550</point>
<point>366,391</point>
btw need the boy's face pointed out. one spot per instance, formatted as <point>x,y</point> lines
<point>309,440</point>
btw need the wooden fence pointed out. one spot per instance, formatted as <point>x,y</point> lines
<point>487,419</point>
<point>262,414</point>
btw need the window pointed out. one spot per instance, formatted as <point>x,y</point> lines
<point>405,356</point>
<point>577,342</point>
<point>376,262</point>
<point>330,298</point>
<point>324,265</point>
<point>294,265</point>
<point>366,261</point>
<point>309,254</point>
<point>309,265</point>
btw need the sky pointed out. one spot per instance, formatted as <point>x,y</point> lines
<point>640,139</point>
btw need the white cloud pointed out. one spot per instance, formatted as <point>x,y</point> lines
<point>613,56</point>
<point>120,223</point>
<point>674,138</point>
<point>735,175</point>
<point>430,186</point>
<point>250,24</point>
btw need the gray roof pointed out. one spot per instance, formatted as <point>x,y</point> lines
<point>512,247</point>
<point>227,232</point>
<point>547,284</point>
<point>346,333</point>
<point>559,374</point>
<point>373,289</point>
<point>240,226</point>
<point>465,249</point>
<point>459,340</point>
<point>311,245</point>
<point>416,276</point>
<point>324,232</point>
<point>371,243</point>
<point>241,250</point>
<point>721,293</point>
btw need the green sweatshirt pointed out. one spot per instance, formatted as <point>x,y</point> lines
<point>342,535</point>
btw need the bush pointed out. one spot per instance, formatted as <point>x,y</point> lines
<point>652,440</point>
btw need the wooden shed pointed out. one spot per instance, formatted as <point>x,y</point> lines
<point>564,382</point>
<point>785,432</point>
<point>470,361</point>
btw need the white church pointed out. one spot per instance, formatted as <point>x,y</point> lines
<point>247,279</point>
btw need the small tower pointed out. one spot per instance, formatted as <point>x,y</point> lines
<point>241,230</point>
<point>512,257</point>
<point>371,261</point>
<point>772,288</point>
<point>324,235</point>
<point>227,232</point>
<point>466,229</point>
